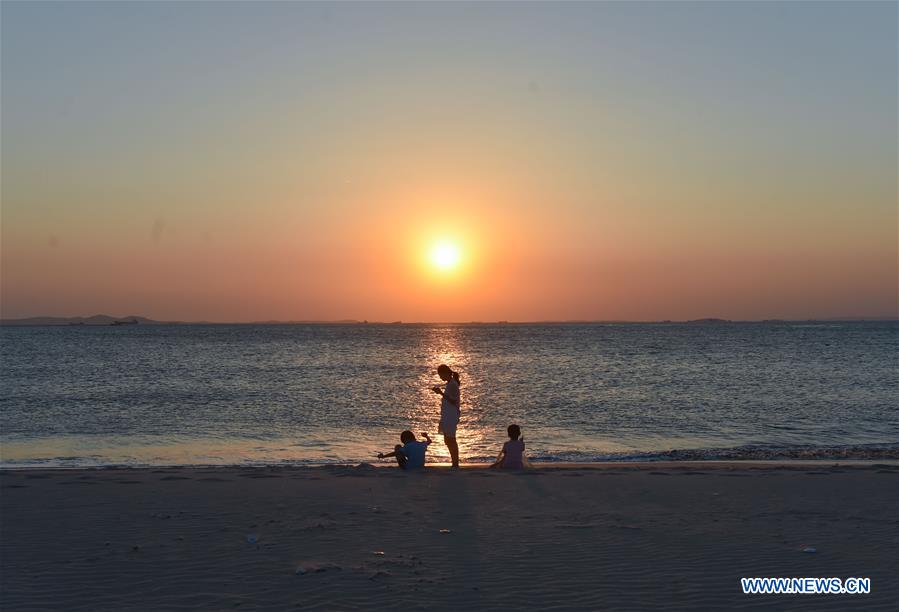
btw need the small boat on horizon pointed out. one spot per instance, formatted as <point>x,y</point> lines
<point>128,322</point>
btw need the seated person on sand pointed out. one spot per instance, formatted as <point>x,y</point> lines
<point>512,454</point>
<point>411,454</point>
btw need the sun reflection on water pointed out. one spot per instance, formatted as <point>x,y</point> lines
<point>444,345</point>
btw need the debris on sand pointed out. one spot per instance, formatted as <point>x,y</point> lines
<point>316,567</point>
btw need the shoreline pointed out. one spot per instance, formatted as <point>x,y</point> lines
<point>534,466</point>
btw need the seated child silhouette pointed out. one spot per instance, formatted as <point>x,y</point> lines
<point>411,454</point>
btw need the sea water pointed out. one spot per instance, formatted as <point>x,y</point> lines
<point>297,394</point>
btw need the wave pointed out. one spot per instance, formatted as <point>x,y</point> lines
<point>750,452</point>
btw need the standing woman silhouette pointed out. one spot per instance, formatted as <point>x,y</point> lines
<point>449,410</point>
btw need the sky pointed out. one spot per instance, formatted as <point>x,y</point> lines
<point>580,161</point>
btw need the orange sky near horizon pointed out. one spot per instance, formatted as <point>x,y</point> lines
<point>297,161</point>
<point>378,267</point>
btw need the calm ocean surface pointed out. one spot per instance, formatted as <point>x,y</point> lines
<point>248,394</point>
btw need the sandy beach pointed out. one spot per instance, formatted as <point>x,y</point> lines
<point>650,536</point>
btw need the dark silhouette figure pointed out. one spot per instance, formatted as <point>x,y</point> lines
<point>450,410</point>
<point>512,454</point>
<point>411,453</point>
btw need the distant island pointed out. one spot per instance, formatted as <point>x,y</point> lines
<point>99,319</point>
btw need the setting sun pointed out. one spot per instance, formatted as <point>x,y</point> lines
<point>445,256</point>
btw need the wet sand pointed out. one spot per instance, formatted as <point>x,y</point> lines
<point>609,536</point>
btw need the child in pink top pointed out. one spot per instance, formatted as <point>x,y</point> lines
<point>512,455</point>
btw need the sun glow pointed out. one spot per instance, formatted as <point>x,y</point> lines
<point>445,256</point>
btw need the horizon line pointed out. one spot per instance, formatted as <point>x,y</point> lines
<point>62,320</point>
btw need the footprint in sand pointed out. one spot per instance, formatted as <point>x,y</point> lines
<point>627,527</point>
<point>316,568</point>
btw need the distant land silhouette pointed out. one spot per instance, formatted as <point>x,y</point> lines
<point>99,319</point>
<point>102,320</point>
